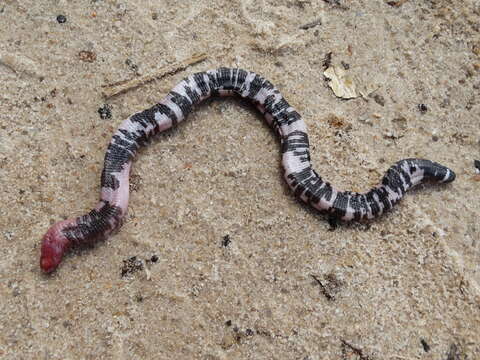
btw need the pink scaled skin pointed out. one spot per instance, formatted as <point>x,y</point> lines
<point>54,245</point>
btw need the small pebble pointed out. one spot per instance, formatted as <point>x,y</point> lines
<point>425,345</point>
<point>154,258</point>
<point>87,56</point>
<point>226,240</point>
<point>422,108</point>
<point>379,99</point>
<point>476,163</point>
<point>61,19</point>
<point>105,111</point>
<point>345,65</point>
<point>131,65</point>
<point>131,265</point>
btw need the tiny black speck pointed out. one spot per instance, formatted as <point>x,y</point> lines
<point>426,347</point>
<point>154,258</point>
<point>228,323</point>
<point>422,108</point>
<point>105,111</point>
<point>249,332</point>
<point>476,163</point>
<point>131,65</point>
<point>379,99</point>
<point>226,241</point>
<point>61,19</point>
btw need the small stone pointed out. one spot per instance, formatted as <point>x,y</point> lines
<point>476,163</point>
<point>228,341</point>
<point>379,99</point>
<point>345,65</point>
<point>105,111</point>
<point>476,49</point>
<point>425,345</point>
<point>226,240</point>
<point>131,265</point>
<point>422,108</point>
<point>61,19</point>
<point>87,56</point>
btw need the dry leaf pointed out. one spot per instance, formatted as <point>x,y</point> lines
<point>341,83</point>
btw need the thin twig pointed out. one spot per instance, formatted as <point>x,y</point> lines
<point>356,350</point>
<point>311,24</point>
<point>119,87</point>
<point>397,3</point>
<point>324,290</point>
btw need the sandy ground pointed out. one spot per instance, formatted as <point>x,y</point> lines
<point>406,286</point>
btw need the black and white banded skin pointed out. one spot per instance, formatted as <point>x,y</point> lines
<point>286,122</point>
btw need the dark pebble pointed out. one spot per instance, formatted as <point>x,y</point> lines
<point>476,163</point>
<point>379,99</point>
<point>226,240</point>
<point>105,111</point>
<point>426,347</point>
<point>131,265</point>
<point>154,258</point>
<point>61,19</point>
<point>422,108</point>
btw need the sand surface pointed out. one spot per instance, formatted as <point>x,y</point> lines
<point>406,286</point>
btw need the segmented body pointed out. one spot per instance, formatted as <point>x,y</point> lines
<point>284,119</point>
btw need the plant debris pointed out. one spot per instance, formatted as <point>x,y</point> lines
<point>311,24</point>
<point>131,266</point>
<point>330,286</point>
<point>397,3</point>
<point>356,350</point>
<point>341,83</point>
<point>226,240</point>
<point>87,56</point>
<point>119,87</point>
